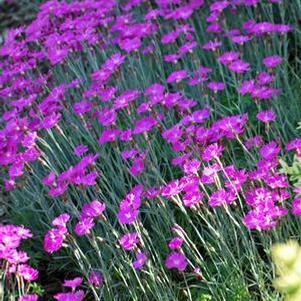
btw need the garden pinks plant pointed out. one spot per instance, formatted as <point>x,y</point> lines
<point>141,142</point>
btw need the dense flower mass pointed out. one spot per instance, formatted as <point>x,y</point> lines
<point>122,119</point>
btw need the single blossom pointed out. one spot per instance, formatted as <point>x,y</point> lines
<point>176,260</point>
<point>140,260</point>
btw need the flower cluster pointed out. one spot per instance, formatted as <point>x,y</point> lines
<point>14,261</point>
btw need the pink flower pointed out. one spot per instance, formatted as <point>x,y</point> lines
<point>216,86</point>
<point>171,189</point>
<point>130,45</point>
<point>109,135</point>
<point>246,87</point>
<point>80,149</point>
<point>297,206</point>
<point>29,297</point>
<point>83,226</point>
<point>259,220</point>
<point>176,243</point>
<point>229,57</point>
<point>144,125</point>
<point>128,216</point>
<point>96,279</point>
<point>221,197</point>
<point>53,240</point>
<point>107,116</point>
<point>192,166</point>
<point>138,166</point>
<point>93,209</point>
<point>176,260</point>
<point>219,5</point>
<point>177,76</point>
<point>27,272</point>
<point>49,179</point>
<point>239,66</point>
<point>129,153</point>
<point>264,78</point>
<point>295,144</point>
<point>272,61</point>
<point>170,37</point>
<point>82,107</point>
<point>125,98</point>
<point>240,39</point>
<point>51,121</point>
<point>212,151</point>
<point>212,45</point>
<point>74,296</point>
<point>270,150</point>
<point>73,283</point>
<point>266,116</point>
<point>129,241</point>
<point>61,220</point>
<point>140,260</point>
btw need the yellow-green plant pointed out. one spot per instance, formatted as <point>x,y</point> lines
<point>287,258</point>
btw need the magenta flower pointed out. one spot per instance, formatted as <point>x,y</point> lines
<point>107,117</point>
<point>192,166</point>
<point>240,39</point>
<point>216,86</point>
<point>27,272</point>
<point>176,243</point>
<point>144,125</point>
<point>73,283</point>
<point>109,135</point>
<point>49,179</point>
<point>219,5</point>
<point>214,27</point>
<point>82,107</point>
<point>74,296</point>
<point>272,61</point>
<point>177,76</point>
<point>259,220</point>
<point>128,216</point>
<point>61,221</point>
<point>29,297</point>
<point>270,150</point>
<point>266,116</point>
<point>264,78</point>
<point>138,166</point>
<point>212,151</point>
<point>125,98</point>
<point>83,226</point>
<point>140,260</point>
<point>129,153</point>
<point>170,37</point>
<point>93,209</point>
<point>296,209</point>
<point>53,240</point>
<point>239,66</point>
<point>51,121</point>
<point>229,57</point>
<point>246,87</point>
<point>212,45</point>
<point>96,279</point>
<point>221,197</point>
<point>176,260</point>
<point>295,144</point>
<point>171,189</point>
<point>130,45</point>
<point>129,241</point>
<point>80,150</point>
